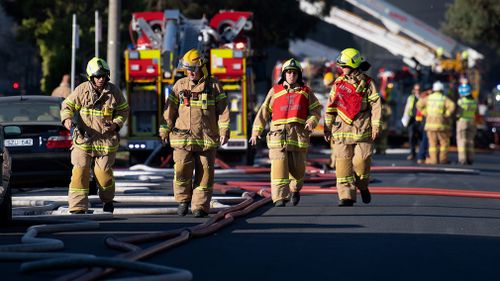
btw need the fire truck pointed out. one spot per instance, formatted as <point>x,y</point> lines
<point>159,39</point>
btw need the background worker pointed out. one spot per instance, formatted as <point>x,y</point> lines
<point>64,89</point>
<point>466,125</point>
<point>437,109</point>
<point>328,80</point>
<point>294,111</point>
<point>352,123</point>
<point>197,122</point>
<point>412,119</point>
<point>100,110</point>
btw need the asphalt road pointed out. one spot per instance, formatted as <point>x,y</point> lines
<point>393,238</point>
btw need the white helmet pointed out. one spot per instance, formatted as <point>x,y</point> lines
<point>437,86</point>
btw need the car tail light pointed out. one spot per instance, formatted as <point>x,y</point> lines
<point>63,140</point>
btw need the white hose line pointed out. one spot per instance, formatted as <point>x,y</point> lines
<point>31,243</point>
<point>43,200</point>
<point>164,172</point>
<point>64,263</point>
<point>20,256</point>
<point>66,216</point>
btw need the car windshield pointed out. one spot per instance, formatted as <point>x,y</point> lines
<point>29,110</point>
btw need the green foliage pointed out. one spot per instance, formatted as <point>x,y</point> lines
<point>475,22</point>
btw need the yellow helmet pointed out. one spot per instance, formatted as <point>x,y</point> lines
<point>328,79</point>
<point>291,64</point>
<point>349,57</point>
<point>191,61</point>
<point>97,67</point>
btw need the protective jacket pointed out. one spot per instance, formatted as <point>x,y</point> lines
<point>354,109</point>
<point>438,109</point>
<point>95,113</point>
<point>289,109</point>
<point>467,108</point>
<point>196,115</point>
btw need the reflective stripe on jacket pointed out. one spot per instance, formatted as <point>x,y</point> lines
<point>198,125</point>
<point>95,112</point>
<point>368,118</point>
<point>437,108</point>
<point>287,133</point>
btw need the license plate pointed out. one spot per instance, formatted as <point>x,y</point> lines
<point>18,142</point>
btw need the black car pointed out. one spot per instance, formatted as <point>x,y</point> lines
<point>38,144</point>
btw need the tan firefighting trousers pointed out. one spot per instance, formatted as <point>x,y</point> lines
<point>439,143</point>
<point>466,132</point>
<point>332,156</point>
<point>353,163</point>
<point>200,192</point>
<point>287,172</point>
<point>79,185</point>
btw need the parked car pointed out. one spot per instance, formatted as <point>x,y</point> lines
<point>5,192</point>
<point>38,144</point>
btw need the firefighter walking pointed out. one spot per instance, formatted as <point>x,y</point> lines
<point>466,126</point>
<point>352,123</point>
<point>437,109</point>
<point>294,111</point>
<point>99,110</point>
<point>197,122</point>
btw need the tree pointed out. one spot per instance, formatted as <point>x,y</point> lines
<point>48,25</point>
<point>475,22</point>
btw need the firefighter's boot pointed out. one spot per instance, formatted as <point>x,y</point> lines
<point>108,207</point>
<point>346,203</point>
<point>295,198</point>
<point>365,195</point>
<point>200,213</point>
<point>182,209</point>
<point>280,203</point>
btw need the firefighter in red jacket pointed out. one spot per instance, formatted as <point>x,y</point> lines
<point>294,111</point>
<point>352,123</point>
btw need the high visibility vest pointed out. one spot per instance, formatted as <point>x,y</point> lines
<point>348,99</point>
<point>290,107</point>
<point>468,108</point>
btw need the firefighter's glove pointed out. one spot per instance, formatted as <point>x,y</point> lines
<point>253,140</point>
<point>68,124</point>
<point>163,135</point>
<point>308,127</point>
<point>328,136</point>
<point>110,128</point>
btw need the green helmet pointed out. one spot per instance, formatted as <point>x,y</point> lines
<point>97,67</point>
<point>349,57</point>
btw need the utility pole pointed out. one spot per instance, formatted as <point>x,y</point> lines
<point>97,33</point>
<point>114,8</point>
<point>75,42</point>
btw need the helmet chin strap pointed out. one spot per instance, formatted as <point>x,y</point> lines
<point>95,86</point>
